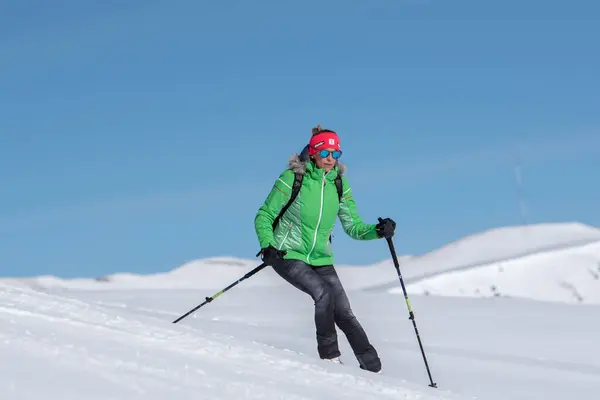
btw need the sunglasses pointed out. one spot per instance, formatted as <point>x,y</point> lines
<point>335,154</point>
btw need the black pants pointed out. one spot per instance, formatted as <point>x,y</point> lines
<point>332,307</point>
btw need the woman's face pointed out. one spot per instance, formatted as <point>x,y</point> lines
<point>326,163</point>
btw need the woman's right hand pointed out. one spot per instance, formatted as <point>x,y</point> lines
<point>271,256</point>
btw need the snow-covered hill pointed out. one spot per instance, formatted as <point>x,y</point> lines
<point>113,337</point>
<point>66,348</point>
<point>502,244</point>
<point>197,274</point>
<point>548,262</point>
<point>569,275</point>
<point>496,245</point>
<point>558,262</point>
<point>253,343</point>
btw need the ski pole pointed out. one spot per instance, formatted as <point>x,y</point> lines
<point>209,299</point>
<point>410,311</point>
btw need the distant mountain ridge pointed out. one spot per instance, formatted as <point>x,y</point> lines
<point>511,246</point>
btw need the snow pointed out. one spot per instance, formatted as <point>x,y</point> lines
<point>490,248</point>
<point>494,246</point>
<point>113,338</point>
<point>570,275</point>
<point>196,274</point>
<point>119,346</point>
<point>252,343</point>
<point>505,243</point>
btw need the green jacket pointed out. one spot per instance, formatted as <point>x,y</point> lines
<point>304,230</point>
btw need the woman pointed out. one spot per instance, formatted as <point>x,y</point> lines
<point>299,248</point>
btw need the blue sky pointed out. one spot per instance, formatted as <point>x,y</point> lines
<point>136,136</point>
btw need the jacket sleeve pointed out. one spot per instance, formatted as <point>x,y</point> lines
<point>351,221</point>
<point>278,196</point>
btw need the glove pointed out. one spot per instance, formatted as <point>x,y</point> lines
<point>271,256</point>
<point>385,228</point>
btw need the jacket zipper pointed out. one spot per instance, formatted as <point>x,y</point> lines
<point>319,221</point>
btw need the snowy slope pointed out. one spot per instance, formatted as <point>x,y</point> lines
<point>495,245</point>
<point>556,262</point>
<point>64,348</point>
<point>504,243</point>
<point>199,274</point>
<point>569,275</point>
<point>256,343</point>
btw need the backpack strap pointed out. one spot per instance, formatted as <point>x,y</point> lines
<point>340,189</point>
<point>295,190</point>
<point>339,186</point>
